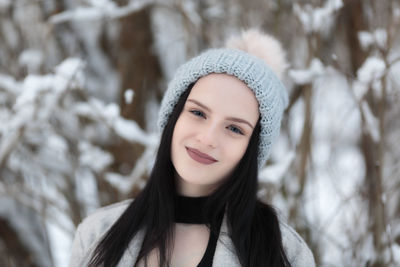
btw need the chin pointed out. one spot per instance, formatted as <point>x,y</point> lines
<point>197,178</point>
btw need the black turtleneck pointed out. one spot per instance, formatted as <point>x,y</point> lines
<point>190,210</point>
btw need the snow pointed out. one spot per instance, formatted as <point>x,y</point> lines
<point>318,19</point>
<point>131,131</point>
<point>372,124</point>
<point>338,165</point>
<point>9,84</point>
<point>52,154</point>
<point>103,4</point>
<point>372,69</point>
<point>120,182</point>
<point>80,13</point>
<point>28,230</point>
<point>126,129</point>
<point>370,74</point>
<point>60,241</point>
<point>99,10</point>
<point>306,76</point>
<point>94,157</point>
<point>214,11</point>
<point>396,252</point>
<point>366,39</point>
<point>378,38</point>
<point>143,166</point>
<point>33,85</point>
<point>31,144</point>
<point>32,60</point>
<point>128,96</point>
<point>274,173</point>
<point>359,90</point>
<point>396,12</point>
<point>189,7</point>
<point>87,189</point>
<point>4,4</point>
<point>168,38</point>
<point>70,68</point>
<point>55,127</point>
<point>296,122</point>
<point>381,38</point>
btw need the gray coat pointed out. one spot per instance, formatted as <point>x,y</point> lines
<point>92,228</point>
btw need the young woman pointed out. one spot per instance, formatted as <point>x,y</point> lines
<point>219,118</point>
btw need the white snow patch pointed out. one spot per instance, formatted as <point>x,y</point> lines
<point>4,4</point>
<point>359,90</point>
<point>381,38</point>
<point>9,84</point>
<point>366,39</point>
<point>377,37</point>
<point>128,96</point>
<point>131,131</point>
<point>318,19</point>
<point>396,13</point>
<point>169,38</point>
<point>190,8</point>
<point>80,13</point>
<point>396,253</point>
<point>94,157</point>
<point>122,183</point>
<point>370,75</point>
<point>306,76</point>
<point>87,189</point>
<point>372,123</point>
<point>31,59</point>
<point>61,243</point>
<point>99,10</point>
<point>274,173</point>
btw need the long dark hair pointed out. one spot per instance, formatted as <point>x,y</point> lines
<point>253,226</point>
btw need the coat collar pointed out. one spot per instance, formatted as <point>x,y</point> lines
<point>224,252</point>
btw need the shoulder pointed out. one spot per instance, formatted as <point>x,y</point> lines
<point>92,228</point>
<point>101,219</point>
<point>296,249</point>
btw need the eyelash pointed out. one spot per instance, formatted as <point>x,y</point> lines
<point>198,113</point>
<point>232,128</point>
<point>235,129</point>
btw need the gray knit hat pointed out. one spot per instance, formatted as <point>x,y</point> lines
<point>252,70</point>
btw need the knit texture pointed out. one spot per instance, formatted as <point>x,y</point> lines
<point>254,72</point>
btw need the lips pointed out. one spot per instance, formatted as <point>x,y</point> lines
<point>200,157</point>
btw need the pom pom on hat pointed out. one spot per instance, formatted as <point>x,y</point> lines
<point>263,46</point>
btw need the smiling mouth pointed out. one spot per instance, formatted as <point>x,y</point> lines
<point>200,157</point>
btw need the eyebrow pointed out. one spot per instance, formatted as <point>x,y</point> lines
<point>228,118</point>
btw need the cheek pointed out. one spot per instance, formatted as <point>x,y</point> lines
<point>235,151</point>
<point>179,130</point>
<point>179,134</point>
<point>175,138</point>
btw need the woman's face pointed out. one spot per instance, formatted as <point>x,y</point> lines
<point>212,133</point>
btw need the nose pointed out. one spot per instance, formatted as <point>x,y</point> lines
<point>208,135</point>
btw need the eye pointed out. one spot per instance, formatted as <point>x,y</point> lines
<point>198,113</point>
<point>235,129</point>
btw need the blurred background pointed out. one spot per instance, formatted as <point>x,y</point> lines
<point>80,86</point>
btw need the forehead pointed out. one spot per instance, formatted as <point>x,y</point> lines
<point>226,94</point>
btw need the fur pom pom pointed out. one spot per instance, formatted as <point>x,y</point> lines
<point>263,46</point>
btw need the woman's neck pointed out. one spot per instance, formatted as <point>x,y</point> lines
<point>184,188</point>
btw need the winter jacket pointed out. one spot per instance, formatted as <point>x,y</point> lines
<point>92,228</point>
